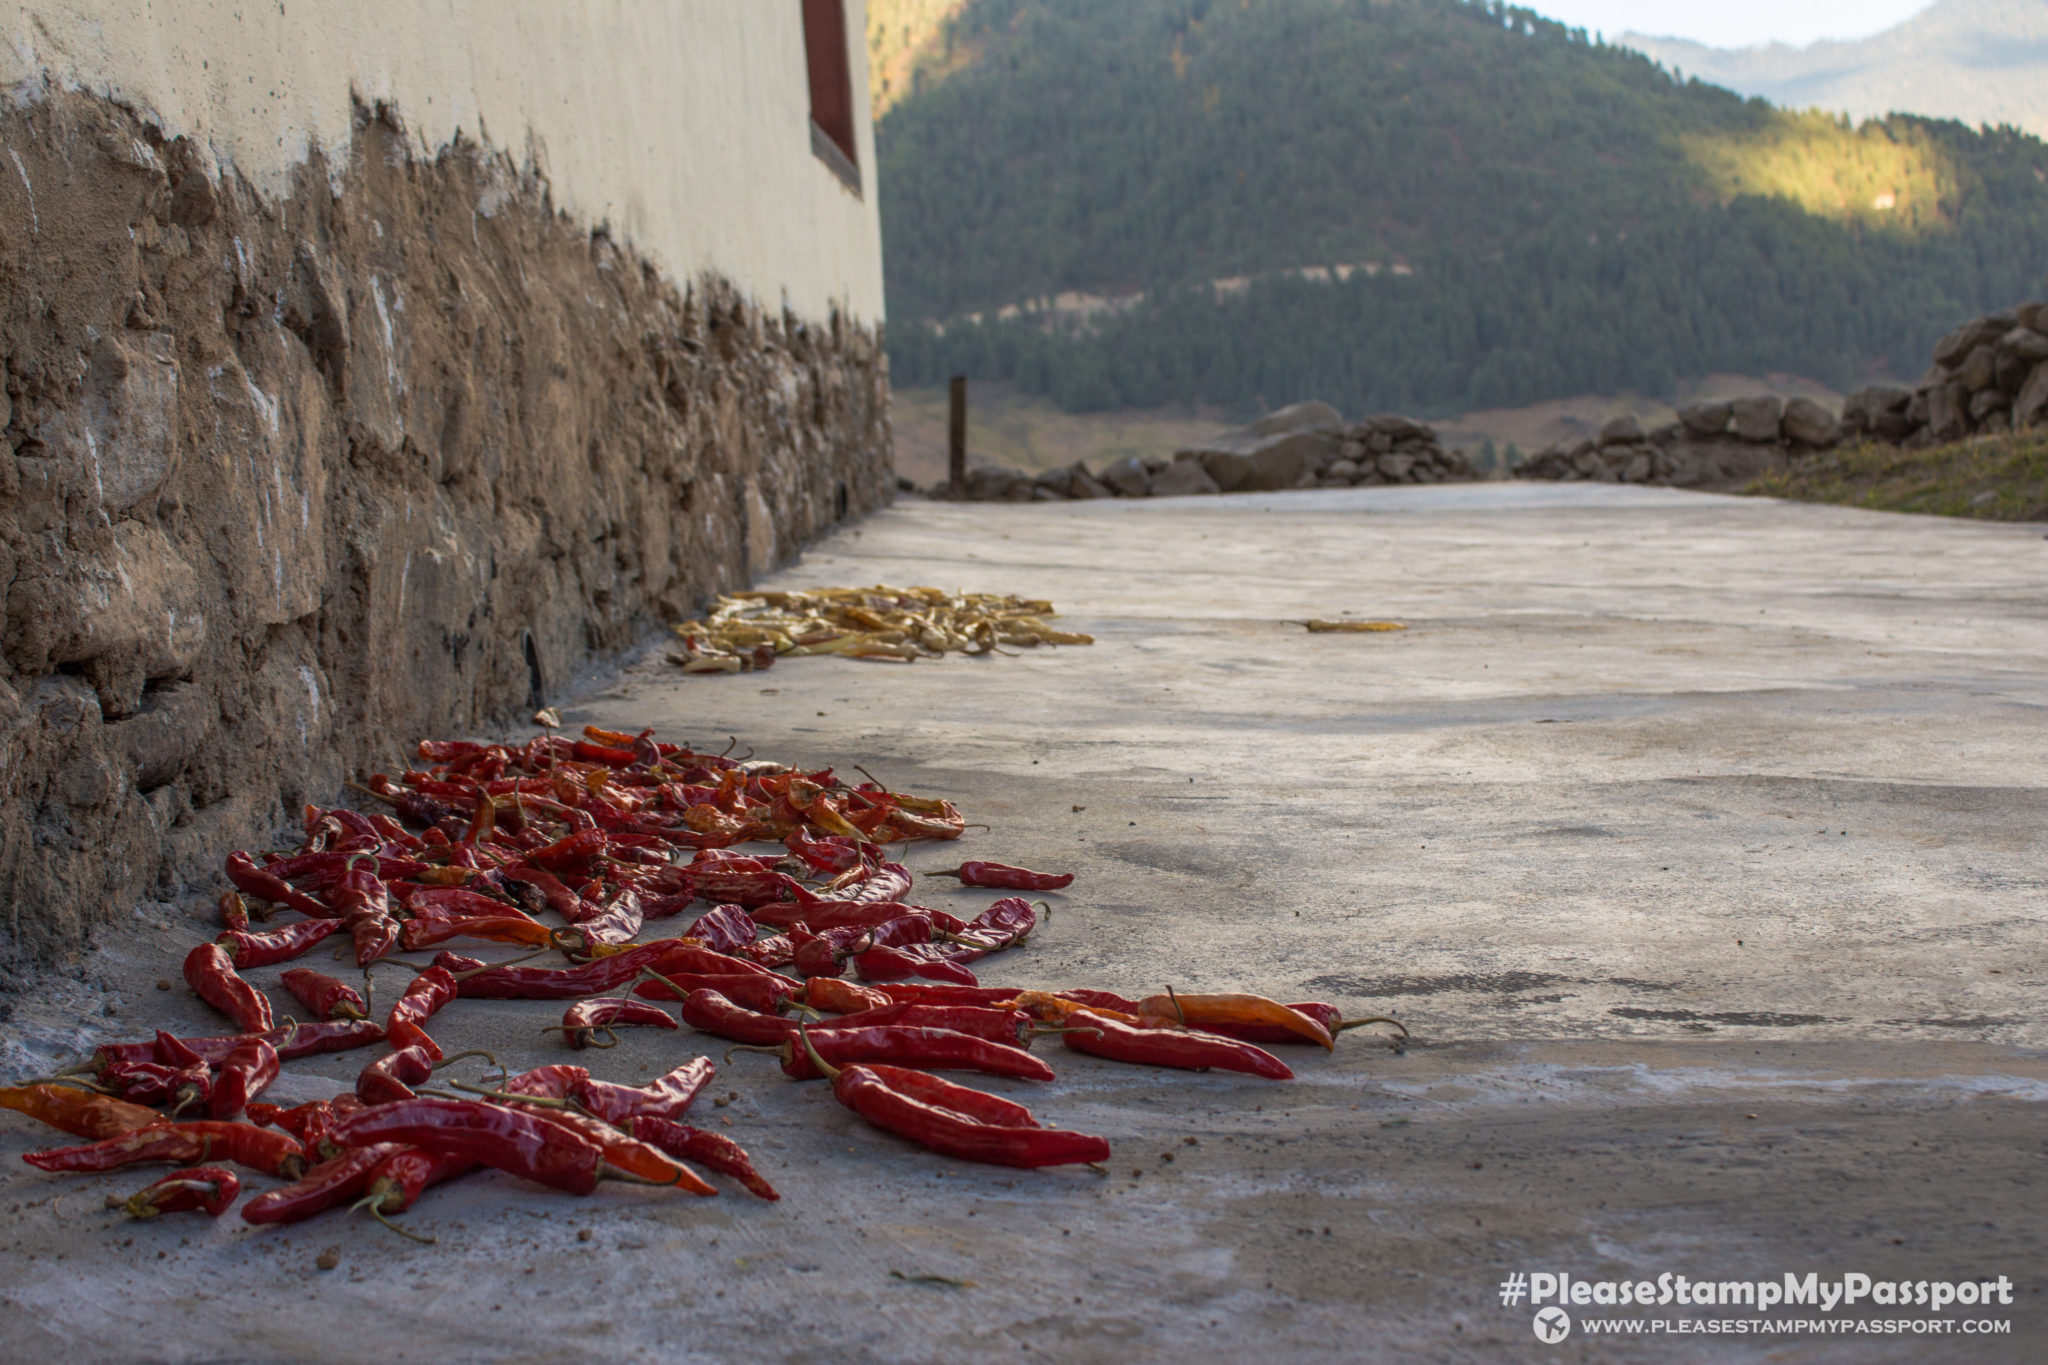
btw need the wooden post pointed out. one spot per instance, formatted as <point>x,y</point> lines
<point>956,434</point>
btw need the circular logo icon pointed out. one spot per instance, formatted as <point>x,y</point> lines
<point>1552,1325</point>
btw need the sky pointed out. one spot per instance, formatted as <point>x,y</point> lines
<point>1733,23</point>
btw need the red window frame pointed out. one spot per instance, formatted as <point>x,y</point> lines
<point>831,79</point>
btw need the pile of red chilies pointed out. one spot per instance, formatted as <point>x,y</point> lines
<point>486,839</point>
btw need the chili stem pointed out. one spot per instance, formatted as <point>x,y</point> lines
<point>829,1071</point>
<point>373,1203</point>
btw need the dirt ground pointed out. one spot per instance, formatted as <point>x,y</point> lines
<point>1699,840</point>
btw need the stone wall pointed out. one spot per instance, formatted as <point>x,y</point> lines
<point>1303,445</point>
<point>1718,444</point>
<point>1988,376</point>
<point>292,481</point>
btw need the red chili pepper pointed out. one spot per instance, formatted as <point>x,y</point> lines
<point>433,924</point>
<point>955,1120</point>
<point>151,1083</point>
<point>392,1076</point>
<point>939,993</point>
<point>404,1027</point>
<point>617,923</point>
<point>726,929</point>
<point>557,1081</point>
<point>245,1144</point>
<point>1005,924</point>
<point>602,974</point>
<point>211,972</point>
<point>934,1049</point>
<point>820,916</point>
<point>307,1122</point>
<point>1009,1027</point>
<point>324,996</point>
<point>720,1154</point>
<point>515,1141</point>
<point>714,1012</point>
<point>582,1022</point>
<point>363,903</point>
<point>575,851</point>
<point>1101,1036</point>
<point>1005,877</point>
<point>887,882</point>
<point>542,890</point>
<point>833,853</point>
<point>764,994</point>
<point>246,1073</point>
<point>248,950</point>
<point>189,1080</point>
<point>665,1098</point>
<point>605,754</point>
<point>80,1113</point>
<point>625,1153</point>
<point>893,964</point>
<point>332,1182</point>
<point>840,997</point>
<point>338,1035</point>
<point>825,954</point>
<point>254,881</point>
<point>196,1189</point>
<point>774,950</point>
<point>234,915</point>
<point>406,1174</point>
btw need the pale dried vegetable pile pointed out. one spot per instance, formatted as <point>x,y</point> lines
<point>750,630</point>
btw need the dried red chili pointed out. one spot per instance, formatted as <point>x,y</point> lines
<point>260,1149</point>
<point>248,950</point>
<point>935,1049</point>
<point>1005,877</point>
<point>332,1182</point>
<point>584,1021</point>
<point>765,994</point>
<point>211,972</point>
<point>716,1152</point>
<point>245,1073</point>
<point>424,995</point>
<point>1101,1036</point>
<point>196,1189</point>
<point>518,1142</point>
<point>324,996</point>
<point>953,1119</point>
<point>392,1076</point>
<point>255,881</point>
<point>893,964</point>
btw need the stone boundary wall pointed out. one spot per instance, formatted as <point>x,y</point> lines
<point>1303,445</point>
<point>1718,444</point>
<point>1988,376</point>
<point>290,482</point>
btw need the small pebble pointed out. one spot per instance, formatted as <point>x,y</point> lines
<point>164,985</point>
<point>583,1234</point>
<point>328,1259</point>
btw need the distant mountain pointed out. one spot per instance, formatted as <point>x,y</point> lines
<point>1978,61</point>
<point>1424,205</point>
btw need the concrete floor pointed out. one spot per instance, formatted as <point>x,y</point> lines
<point>1702,842</point>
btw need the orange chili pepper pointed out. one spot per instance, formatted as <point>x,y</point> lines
<point>1200,1011</point>
<point>82,1113</point>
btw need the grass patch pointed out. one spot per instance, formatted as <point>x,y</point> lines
<point>1994,478</point>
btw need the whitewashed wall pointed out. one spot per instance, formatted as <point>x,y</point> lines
<point>684,124</point>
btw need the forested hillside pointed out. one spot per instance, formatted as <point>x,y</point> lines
<point>1529,214</point>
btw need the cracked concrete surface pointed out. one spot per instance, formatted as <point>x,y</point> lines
<point>1700,841</point>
